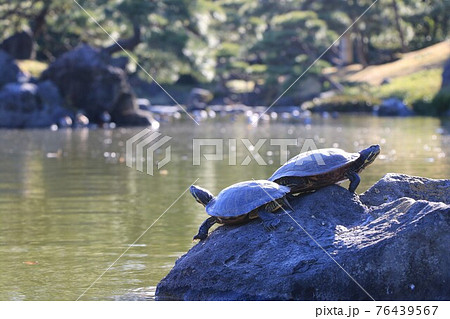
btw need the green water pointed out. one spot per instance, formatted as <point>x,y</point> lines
<point>69,202</point>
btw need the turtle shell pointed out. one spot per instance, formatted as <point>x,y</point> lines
<point>242,198</point>
<point>316,162</point>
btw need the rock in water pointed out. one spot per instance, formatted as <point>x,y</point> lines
<point>88,82</point>
<point>25,105</point>
<point>394,245</point>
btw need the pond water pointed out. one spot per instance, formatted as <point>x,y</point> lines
<point>70,207</point>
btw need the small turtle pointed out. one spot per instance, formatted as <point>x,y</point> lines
<point>312,170</point>
<point>241,202</point>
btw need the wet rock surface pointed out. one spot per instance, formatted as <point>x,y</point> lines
<point>391,242</point>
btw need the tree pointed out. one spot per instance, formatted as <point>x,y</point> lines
<point>289,46</point>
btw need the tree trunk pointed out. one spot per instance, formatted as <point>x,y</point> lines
<point>125,44</point>
<point>360,49</point>
<point>398,26</point>
<point>39,21</point>
<point>38,25</point>
<point>346,49</point>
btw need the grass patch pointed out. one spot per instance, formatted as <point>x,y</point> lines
<point>418,90</point>
<point>415,78</point>
<point>415,88</point>
<point>432,57</point>
<point>33,67</point>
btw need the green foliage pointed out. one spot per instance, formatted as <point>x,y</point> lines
<point>228,50</point>
<point>441,102</point>
<point>294,19</point>
<point>438,106</point>
<point>270,43</point>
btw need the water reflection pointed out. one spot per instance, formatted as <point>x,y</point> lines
<point>69,202</point>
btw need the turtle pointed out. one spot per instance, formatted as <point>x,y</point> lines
<point>315,169</point>
<point>241,202</point>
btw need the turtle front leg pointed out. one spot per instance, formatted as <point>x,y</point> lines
<point>354,180</point>
<point>270,221</point>
<point>204,228</point>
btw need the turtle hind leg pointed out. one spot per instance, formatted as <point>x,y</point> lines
<point>354,181</point>
<point>204,228</point>
<point>270,221</point>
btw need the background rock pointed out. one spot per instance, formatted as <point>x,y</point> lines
<point>10,72</point>
<point>198,99</point>
<point>393,107</point>
<point>24,105</point>
<point>403,254</point>
<point>20,45</point>
<point>87,82</point>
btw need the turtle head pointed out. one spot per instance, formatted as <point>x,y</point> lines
<point>368,155</point>
<point>201,195</point>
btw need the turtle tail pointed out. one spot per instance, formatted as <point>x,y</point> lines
<point>287,204</point>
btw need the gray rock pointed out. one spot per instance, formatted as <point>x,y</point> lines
<point>88,82</point>
<point>144,104</point>
<point>400,254</point>
<point>393,107</point>
<point>18,104</point>
<point>386,81</point>
<point>10,72</point>
<point>198,99</point>
<point>25,105</point>
<point>394,186</point>
<point>49,94</point>
<point>20,45</point>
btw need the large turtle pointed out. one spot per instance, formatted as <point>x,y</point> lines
<point>319,168</point>
<point>241,202</point>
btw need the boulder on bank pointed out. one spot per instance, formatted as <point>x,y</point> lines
<point>392,245</point>
<point>88,82</point>
<point>393,107</point>
<point>27,105</point>
<point>10,72</point>
<point>198,99</point>
<point>20,45</point>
